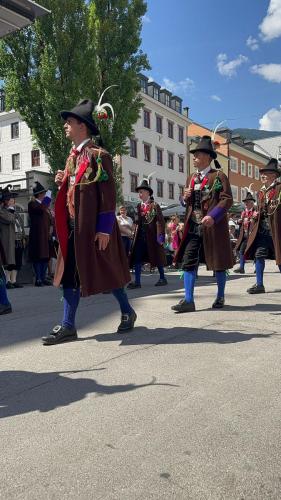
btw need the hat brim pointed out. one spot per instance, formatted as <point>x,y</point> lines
<point>40,192</point>
<point>138,188</point>
<point>274,170</point>
<point>248,199</point>
<point>212,154</point>
<point>91,124</point>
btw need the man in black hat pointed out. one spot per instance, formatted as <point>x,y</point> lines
<point>264,238</point>
<point>206,235</point>
<point>91,257</point>
<point>39,233</point>
<point>148,244</point>
<point>247,217</point>
<point>5,305</point>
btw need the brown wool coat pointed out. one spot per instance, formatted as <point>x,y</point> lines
<point>99,270</point>
<point>216,242</point>
<point>7,235</point>
<point>156,252</point>
<point>38,241</point>
<point>275,226</point>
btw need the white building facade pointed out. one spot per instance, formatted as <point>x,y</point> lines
<point>18,153</point>
<point>158,146</point>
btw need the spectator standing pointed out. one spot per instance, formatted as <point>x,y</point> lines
<point>39,234</point>
<point>7,231</point>
<point>126,226</point>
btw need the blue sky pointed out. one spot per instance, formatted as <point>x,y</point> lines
<point>222,57</point>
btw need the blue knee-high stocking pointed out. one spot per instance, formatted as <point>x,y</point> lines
<point>221,280</point>
<point>260,263</point>
<point>71,299</point>
<point>138,274</point>
<point>242,261</point>
<point>161,272</point>
<point>122,299</point>
<point>189,278</point>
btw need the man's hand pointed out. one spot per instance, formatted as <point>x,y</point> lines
<point>103,240</point>
<point>59,177</point>
<point>187,193</point>
<point>208,221</point>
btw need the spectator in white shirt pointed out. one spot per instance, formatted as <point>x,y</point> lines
<point>126,226</point>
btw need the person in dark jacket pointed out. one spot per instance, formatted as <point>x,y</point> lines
<point>5,305</point>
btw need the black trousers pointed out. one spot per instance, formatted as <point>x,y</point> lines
<point>193,253</point>
<point>70,278</point>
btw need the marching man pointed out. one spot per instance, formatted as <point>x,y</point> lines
<point>247,217</point>
<point>264,240</point>
<point>91,256</point>
<point>208,197</point>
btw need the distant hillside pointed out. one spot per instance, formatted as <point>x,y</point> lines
<point>252,133</point>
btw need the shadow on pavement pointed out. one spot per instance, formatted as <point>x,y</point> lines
<point>26,392</point>
<point>178,335</point>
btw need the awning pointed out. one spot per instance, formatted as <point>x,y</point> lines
<point>16,14</point>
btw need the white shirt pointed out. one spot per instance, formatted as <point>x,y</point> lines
<point>204,172</point>
<point>80,147</point>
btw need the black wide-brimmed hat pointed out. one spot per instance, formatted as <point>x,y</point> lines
<point>6,193</point>
<point>205,145</point>
<point>38,188</point>
<point>249,197</point>
<point>83,111</point>
<point>144,185</point>
<point>272,166</point>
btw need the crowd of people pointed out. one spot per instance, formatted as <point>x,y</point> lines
<point>95,249</point>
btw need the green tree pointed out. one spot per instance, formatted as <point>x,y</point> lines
<point>77,51</point>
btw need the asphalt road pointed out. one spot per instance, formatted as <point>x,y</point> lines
<point>184,407</point>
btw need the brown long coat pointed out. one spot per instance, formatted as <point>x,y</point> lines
<point>216,241</point>
<point>154,230</point>
<point>275,226</point>
<point>38,242</point>
<point>99,270</point>
<point>7,234</point>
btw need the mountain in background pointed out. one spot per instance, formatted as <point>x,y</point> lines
<point>252,133</point>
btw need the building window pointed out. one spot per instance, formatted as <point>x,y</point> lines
<point>159,124</point>
<point>143,85</point>
<point>159,154</point>
<point>160,185</point>
<point>15,130</point>
<point>171,161</point>
<point>147,152</point>
<point>234,190</point>
<point>35,158</point>
<point>171,191</point>
<point>257,173</point>
<point>243,193</point>
<point>16,187</point>
<point>181,190</point>
<point>170,130</point>
<point>181,135</point>
<point>181,164</point>
<point>146,118</point>
<point>133,148</point>
<point>16,161</point>
<point>250,170</point>
<point>243,167</point>
<point>233,164</point>
<point>134,182</point>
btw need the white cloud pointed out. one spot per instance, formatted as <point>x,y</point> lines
<point>215,97</point>
<point>270,26</point>
<point>146,19</point>
<point>252,43</point>
<point>183,86</point>
<point>270,72</point>
<point>229,68</point>
<point>271,120</point>
<point>150,79</point>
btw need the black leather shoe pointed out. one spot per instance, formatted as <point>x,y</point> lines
<point>184,307</point>
<point>133,285</point>
<point>239,270</point>
<point>47,282</point>
<point>38,283</point>
<point>256,289</point>
<point>9,285</point>
<point>161,282</point>
<point>60,334</point>
<point>5,309</point>
<point>17,285</point>
<point>219,303</point>
<point>127,322</point>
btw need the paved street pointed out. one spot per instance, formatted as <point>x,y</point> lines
<point>184,407</point>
